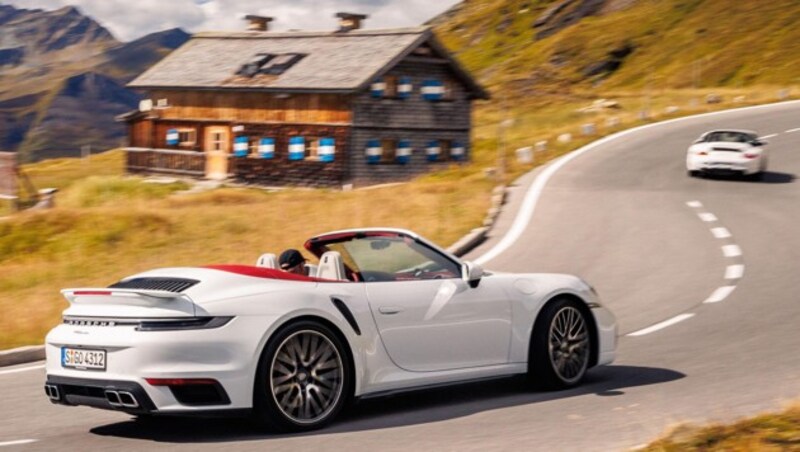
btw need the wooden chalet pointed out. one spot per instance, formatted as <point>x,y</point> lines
<point>303,108</point>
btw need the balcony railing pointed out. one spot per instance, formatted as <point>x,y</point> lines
<point>170,161</point>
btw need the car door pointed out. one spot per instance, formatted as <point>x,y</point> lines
<point>441,324</point>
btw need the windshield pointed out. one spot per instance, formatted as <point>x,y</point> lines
<point>730,137</point>
<point>393,258</point>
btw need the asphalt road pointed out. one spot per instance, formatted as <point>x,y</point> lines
<point>627,218</point>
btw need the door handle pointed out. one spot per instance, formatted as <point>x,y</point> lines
<point>389,310</point>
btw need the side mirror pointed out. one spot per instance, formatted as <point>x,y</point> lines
<point>758,143</point>
<point>472,274</point>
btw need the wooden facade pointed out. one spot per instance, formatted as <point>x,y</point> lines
<point>385,129</point>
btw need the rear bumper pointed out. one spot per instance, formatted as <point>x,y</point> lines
<point>93,393</point>
<point>738,167</point>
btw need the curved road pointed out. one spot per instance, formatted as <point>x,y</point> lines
<point>702,274</point>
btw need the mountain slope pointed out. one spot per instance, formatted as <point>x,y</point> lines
<point>62,78</point>
<point>547,45</point>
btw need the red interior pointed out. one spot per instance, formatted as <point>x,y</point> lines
<point>269,273</point>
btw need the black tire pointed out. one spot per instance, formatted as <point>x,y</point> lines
<point>564,364</point>
<point>757,177</point>
<point>322,383</point>
<point>691,173</point>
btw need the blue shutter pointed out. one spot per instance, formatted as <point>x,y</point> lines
<point>173,138</point>
<point>432,90</point>
<point>404,88</point>
<point>403,153</point>
<point>327,149</point>
<point>241,147</point>
<point>297,148</point>
<point>378,86</point>
<point>432,151</point>
<point>374,151</point>
<point>458,151</point>
<point>266,148</point>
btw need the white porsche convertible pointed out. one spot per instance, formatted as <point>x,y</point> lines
<point>386,310</point>
<point>728,152</point>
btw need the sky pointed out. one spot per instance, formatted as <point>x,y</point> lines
<point>131,19</point>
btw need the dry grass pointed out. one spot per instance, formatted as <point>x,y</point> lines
<point>768,432</point>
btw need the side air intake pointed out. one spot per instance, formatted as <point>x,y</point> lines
<point>176,285</point>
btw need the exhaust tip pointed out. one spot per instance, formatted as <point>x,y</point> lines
<point>127,399</point>
<point>113,398</point>
<point>52,392</point>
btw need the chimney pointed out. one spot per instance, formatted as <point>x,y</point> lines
<point>257,23</point>
<point>350,21</point>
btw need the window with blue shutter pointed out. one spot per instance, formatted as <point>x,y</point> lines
<point>326,150</point>
<point>405,88</point>
<point>173,137</point>
<point>241,146</point>
<point>374,151</point>
<point>297,148</point>
<point>266,148</point>
<point>458,151</point>
<point>378,86</point>
<point>432,151</point>
<point>432,90</point>
<point>403,153</point>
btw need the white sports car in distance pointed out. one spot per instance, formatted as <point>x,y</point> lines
<point>728,152</point>
<point>386,311</point>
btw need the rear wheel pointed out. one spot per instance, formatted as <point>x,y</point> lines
<point>560,345</point>
<point>304,378</point>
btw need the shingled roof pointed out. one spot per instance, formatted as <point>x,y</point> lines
<point>332,62</point>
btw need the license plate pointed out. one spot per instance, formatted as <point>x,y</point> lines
<point>84,359</point>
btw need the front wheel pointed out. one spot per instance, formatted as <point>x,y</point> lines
<point>303,380</point>
<point>560,346</point>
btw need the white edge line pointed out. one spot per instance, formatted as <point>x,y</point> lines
<point>734,271</point>
<point>720,294</point>
<point>18,442</point>
<point>793,130</point>
<point>662,325</point>
<point>768,136</point>
<point>525,213</point>
<point>21,369</point>
<point>731,251</point>
<point>695,204</point>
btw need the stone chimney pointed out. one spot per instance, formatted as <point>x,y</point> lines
<point>257,23</point>
<point>350,21</point>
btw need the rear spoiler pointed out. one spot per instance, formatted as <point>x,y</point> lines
<point>111,302</point>
<point>154,295</point>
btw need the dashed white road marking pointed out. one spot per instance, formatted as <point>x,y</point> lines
<point>707,216</point>
<point>720,294</point>
<point>662,325</point>
<point>18,442</point>
<point>21,369</point>
<point>721,233</point>
<point>695,204</point>
<point>734,271</point>
<point>768,136</point>
<point>731,250</point>
<point>793,130</point>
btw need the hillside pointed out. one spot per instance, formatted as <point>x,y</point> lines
<point>552,46</point>
<point>62,78</point>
